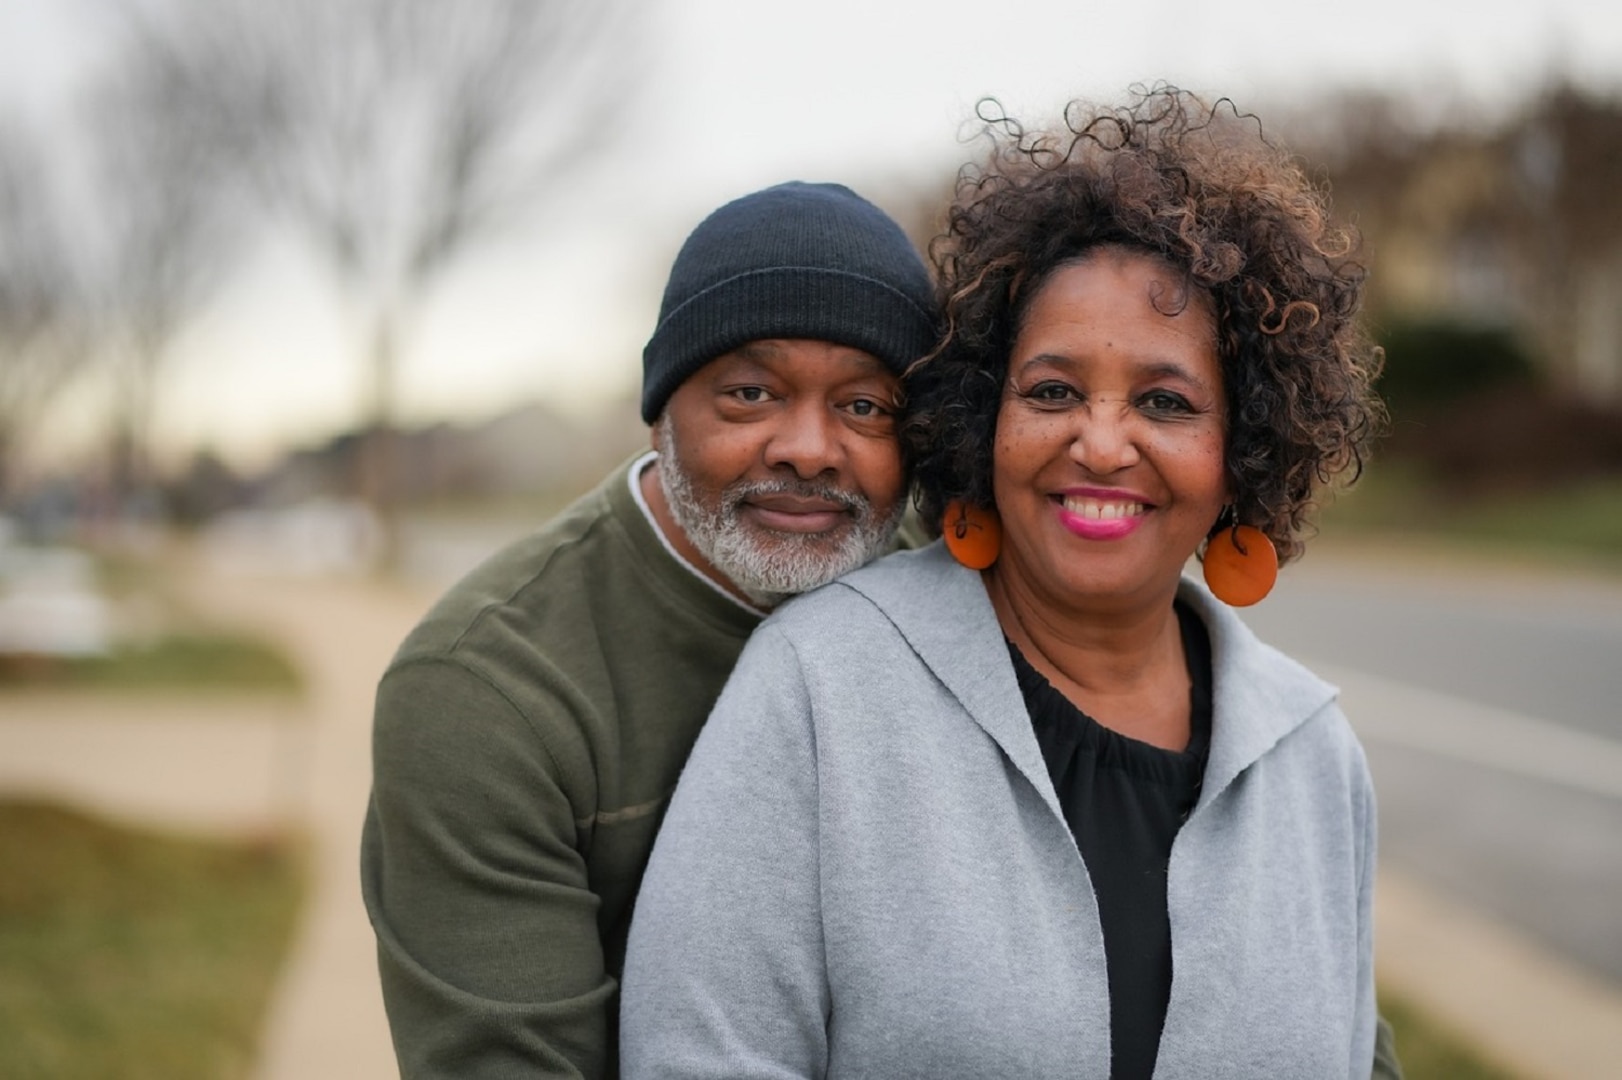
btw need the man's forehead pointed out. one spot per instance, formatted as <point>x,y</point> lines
<point>787,353</point>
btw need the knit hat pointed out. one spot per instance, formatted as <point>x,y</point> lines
<point>798,260</point>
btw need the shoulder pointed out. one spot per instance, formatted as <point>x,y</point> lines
<point>836,667</point>
<point>911,625</point>
<point>597,570</point>
<point>1266,679</point>
<point>912,582</point>
<point>515,574</point>
<point>906,595</point>
<point>587,633</point>
<point>505,675</point>
<point>507,645</point>
<point>1268,706</point>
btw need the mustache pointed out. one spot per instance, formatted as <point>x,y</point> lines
<point>743,491</point>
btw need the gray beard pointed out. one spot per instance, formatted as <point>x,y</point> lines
<point>768,566</point>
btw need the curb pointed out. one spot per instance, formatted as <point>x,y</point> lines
<point>1521,1006</point>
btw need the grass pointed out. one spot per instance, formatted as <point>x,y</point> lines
<point>1582,518</point>
<point>1577,524</point>
<point>162,645</point>
<point>191,661</point>
<point>1429,1051</point>
<point>129,954</point>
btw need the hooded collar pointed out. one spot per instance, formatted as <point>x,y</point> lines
<point>942,610</point>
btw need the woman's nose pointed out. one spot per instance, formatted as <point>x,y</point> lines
<point>1106,437</point>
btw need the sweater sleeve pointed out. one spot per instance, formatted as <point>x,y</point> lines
<point>1386,1064</point>
<point>725,974</point>
<point>488,946</point>
<point>1373,1053</point>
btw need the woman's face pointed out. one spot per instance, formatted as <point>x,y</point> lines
<point>1108,468</point>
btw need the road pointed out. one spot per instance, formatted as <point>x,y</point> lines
<point>1504,790</point>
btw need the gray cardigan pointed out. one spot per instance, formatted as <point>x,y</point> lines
<point>865,871</point>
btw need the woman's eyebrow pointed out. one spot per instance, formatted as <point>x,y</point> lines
<point>1152,369</point>
<point>1168,369</point>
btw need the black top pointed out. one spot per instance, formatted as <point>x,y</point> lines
<point>1124,801</point>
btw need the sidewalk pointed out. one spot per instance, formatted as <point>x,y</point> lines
<point>1525,1007</point>
<point>1519,1004</point>
<point>248,764</point>
<point>327,1019</point>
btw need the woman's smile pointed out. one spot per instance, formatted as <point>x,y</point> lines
<point>1095,517</point>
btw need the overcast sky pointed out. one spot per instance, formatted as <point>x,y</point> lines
<point>740,94</point>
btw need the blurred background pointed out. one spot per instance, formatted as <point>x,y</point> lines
<point>305,307</point>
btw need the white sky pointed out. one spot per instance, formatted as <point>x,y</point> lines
<point>742,94</point>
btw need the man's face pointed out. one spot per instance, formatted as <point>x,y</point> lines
<point>779,462</point>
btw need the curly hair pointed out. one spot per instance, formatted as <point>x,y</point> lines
<point>1200,188</point>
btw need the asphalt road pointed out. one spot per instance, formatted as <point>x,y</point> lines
<point>1489,699</point>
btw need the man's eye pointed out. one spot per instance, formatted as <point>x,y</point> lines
<point>750,394</point>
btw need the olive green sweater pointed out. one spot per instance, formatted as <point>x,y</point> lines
<point>527,736</point>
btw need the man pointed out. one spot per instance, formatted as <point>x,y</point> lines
<point>529,731</point>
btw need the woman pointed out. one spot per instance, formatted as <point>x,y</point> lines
<point>1042,806</point>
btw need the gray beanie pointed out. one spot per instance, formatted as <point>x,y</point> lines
<point>814,261</point>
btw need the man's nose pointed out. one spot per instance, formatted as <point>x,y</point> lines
<point>806,439</point>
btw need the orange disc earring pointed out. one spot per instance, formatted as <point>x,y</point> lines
<point>1241,565</point>
<point>972,535</point>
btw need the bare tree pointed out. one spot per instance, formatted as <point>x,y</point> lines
<point>397,134</point>
<point>42,340</point>
<point>168,225</point>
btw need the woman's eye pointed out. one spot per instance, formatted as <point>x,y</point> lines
<point>1165,401</point>
<point>1052,391</point>
<point>868,407</point>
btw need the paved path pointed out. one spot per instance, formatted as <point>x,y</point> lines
<point>188,765</point>
<point>327,1020</point>
<point>248,764</point>
<point>234,765</point>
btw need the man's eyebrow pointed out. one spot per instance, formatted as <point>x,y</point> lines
<point>759,350</point>
<point>766,350</point>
